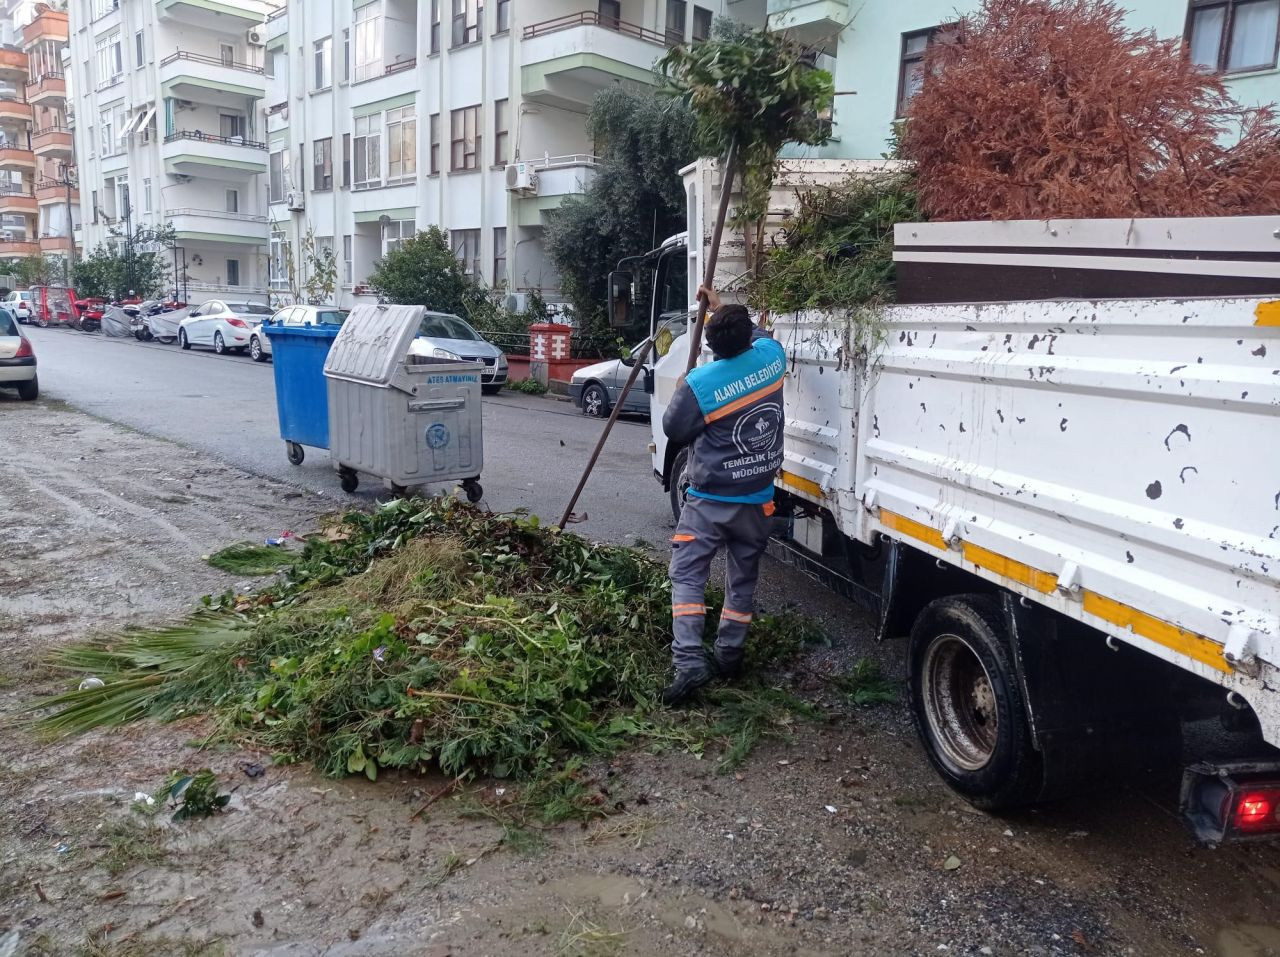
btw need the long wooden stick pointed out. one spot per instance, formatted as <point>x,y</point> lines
<point>709,273</point>
<point>641,356</point>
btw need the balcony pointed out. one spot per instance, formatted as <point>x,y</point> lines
<point>49,25</point>
<point>213,225</point>
<point>564,62</point>
<point>13,64</point>
<point>17,201</point>
<point>14,107</point>
<point>16,159</point>
<point>49,192</point>
<point>814,23</point>
<point>558,177</point>
<point>210,79</point>
<point>53,141</point>
<point>192,153</point>
<point>19,247</point>
<point>55,244</point>
<point>224,16</point>
<point>50,86</point>
<point>278,24</point>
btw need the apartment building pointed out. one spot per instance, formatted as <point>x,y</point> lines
<point>875,48</point>
<point>386,116</point>
<point>170,131</point>
<point>35,145</point>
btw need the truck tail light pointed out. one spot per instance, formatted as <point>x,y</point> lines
<point>1232,802</point>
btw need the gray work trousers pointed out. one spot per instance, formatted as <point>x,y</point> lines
<point>705,527</point>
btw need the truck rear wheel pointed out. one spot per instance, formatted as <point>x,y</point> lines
<point>679,483</point>
<point>968,704</point>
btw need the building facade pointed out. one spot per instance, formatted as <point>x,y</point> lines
<point>170,132</point>
<point>874,48</point>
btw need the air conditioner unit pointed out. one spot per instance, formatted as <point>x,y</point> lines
<point>522,178</point>
<point>296,200</point>
<point>255,38</point>
<point>517,301</point>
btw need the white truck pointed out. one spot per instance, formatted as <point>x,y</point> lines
<point>1057,470</point>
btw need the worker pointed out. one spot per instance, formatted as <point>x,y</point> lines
<point>729,415</point>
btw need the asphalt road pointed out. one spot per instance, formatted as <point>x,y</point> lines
<point>225,406</point>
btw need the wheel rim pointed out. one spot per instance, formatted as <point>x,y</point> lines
<point>960,703</point>
<point>593,402</point>
<point>682,482</point>
<point>255,350</point>
<point>218,345</point>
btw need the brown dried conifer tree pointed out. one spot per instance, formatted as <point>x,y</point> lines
<point>1033,109</point>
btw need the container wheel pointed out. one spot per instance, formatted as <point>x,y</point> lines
<point>295,452</point>
<point>348,479</point>
<point>474,490</point>
<point>968,704</point>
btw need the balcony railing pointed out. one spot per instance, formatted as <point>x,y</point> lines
<point>401,65</point>
<point>277,13</point>
<point>51,129</point>
<point>591,18</point>
<point>212,61</point>
<point>215,214</point>
<point>569,159</point>
<point>44,82</point>
<point>200,137</point>
<point>14,189</point>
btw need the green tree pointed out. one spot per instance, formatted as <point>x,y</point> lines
<point>423,271</point>
<point>313,273</point>
<point>137,262</point>
<point>38,271</point>
<point>635,201</point>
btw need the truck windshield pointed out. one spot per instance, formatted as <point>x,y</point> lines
<point>671,292</point>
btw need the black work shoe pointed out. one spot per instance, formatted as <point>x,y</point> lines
<point>684,686</point>
<point>726,664</point>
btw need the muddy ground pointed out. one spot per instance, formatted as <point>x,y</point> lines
<point>834,842</point>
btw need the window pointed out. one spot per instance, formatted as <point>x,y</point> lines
<point>701,24</point>
<point>677,13</point>
<point>231,125</point>
<point>231,199</point>
<point>107,56</point>
<point>123,208</point>
<point>1234,36</point>
<point>227,53</point>
<point>346,160</point>
<point>368,42</point>
<point>277,269</point>
<point>139,50</point>
<point>402,144</point>
<point>367,157</point>
<point>322,164</point>
<point>464,138</point>
<point>500,132</point>
<point>610,13</point>
<point>435,26</point>
<point>348,270</point>
<point>324,63</point>
<point>499,256</point>
<point>104,123</point>
<point>233,272</point>
<point>467,17</point>
<point>278,165</point>
<point>466,246</point>
<point>911,70</point>
<point>435,143</point>
<point>146,195</point>
<point>504,16</point>
<point>346,56</point>
<point>269,63</point>
<point>94,202</point>
<point>396,232</point>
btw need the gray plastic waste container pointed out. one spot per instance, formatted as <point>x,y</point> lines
<point>409,420</point>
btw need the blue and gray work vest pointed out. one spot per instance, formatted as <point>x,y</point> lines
<point>730,414</point>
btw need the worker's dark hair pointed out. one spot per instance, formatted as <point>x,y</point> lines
<point>729,331</point>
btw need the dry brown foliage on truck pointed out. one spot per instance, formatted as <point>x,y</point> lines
<point>1035,109</point>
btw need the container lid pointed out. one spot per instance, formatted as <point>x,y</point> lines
<point>372,343</point>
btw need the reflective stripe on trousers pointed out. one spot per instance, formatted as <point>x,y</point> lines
<point>705,527</point>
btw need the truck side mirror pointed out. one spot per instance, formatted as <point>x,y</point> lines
<point>619,299</point>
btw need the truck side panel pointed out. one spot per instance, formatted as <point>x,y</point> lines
<point>1117,461</point>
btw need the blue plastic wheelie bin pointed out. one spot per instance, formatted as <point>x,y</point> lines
<point>298,354</point>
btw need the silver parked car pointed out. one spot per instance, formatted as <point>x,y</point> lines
<point>595,389</point>
<point>260,341</point>
<point>443,335</point>
<point>17,359</point>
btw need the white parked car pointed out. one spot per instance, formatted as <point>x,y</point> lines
<point>19,303</point>
<point>260,340</point>
<point>17,359</point>
<point>224,325</point>
<point>442,335</point>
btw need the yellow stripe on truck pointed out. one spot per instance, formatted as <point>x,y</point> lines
<point>1023,574</point>
<point>801,484</point>
<point>1201,649</point>
<point>1161,632</point>
<point>1267,314</point>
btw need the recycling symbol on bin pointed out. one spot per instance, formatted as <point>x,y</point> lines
<point>437,435</point>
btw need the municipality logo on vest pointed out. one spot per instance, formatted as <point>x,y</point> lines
<point>757,431</point>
